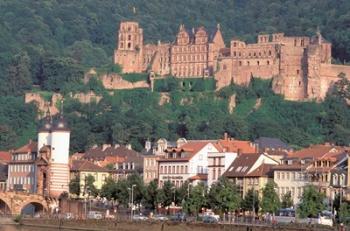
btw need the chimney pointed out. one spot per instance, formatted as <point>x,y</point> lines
<point>105,146</point>
<point>225,136</point>
<point>148,145</point>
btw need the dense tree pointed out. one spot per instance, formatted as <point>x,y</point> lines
<point>251,201</point>
<point>270,201</point>
<point>74,186</point>
<point>151,195</point>
<point>89,187</point>
<point>196,201</point>
<point>287,201</point>
<point>344,213</point>
<point>312,202</point>
<point>223,196</point>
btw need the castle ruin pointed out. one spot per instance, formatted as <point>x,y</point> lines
<point>300,66</point>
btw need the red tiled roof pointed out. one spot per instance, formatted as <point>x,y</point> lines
<point>317,152</point>
<point>199,177</point>
<point>191,148</point>
<point>232,145</point>
<point>5,156</point>
<point>84,165</point>
<point>30,147</point>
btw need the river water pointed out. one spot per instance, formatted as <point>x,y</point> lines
<point>23,228</point>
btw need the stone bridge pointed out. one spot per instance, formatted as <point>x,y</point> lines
<point>14,202</point>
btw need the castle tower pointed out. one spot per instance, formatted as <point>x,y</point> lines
<point>129,51</point>
<point>59,163</point>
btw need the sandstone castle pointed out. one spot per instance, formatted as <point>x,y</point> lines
<point>300,67</point>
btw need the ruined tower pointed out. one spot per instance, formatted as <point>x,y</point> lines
<point>129,51</point>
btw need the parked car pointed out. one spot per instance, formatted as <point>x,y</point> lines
<point>210,219</point>
<point>68,216</point>
<point>160,217</point>
<point>179,217</point>
<point>94,215</point>
<point>139,218</point>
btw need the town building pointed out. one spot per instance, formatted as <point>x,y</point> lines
<point>121,159</point>
<point>22,169</point>
<point>229,149</point>
<point>81,169</point>
<point>189,162</point>
<point>323,165</point>
<point>153,152</point>
<point>5,157</point>
<point>300,66</point>
<point>251,171</point>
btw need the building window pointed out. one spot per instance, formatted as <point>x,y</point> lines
<point>298,72</point>
<point>258,62</point>
<point>240,63</point>
<point>165,169</point>
<point>268,62</point>
<point>182,169</point>
<point>214,174</point>
<point>177,170</point>
<point>248,63</point>
<point>186,169</point>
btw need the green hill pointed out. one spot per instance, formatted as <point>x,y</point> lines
<point>50,44</point>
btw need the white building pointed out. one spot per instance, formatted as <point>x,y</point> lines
<point>189,162</point>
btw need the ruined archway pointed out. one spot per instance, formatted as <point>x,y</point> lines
<point>4,208</point>
<point>33,208</point>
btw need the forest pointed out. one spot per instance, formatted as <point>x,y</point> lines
<point>48,45</point>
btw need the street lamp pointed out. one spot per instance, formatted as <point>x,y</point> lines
<point>132,200</point>
<point>174,195</point>
<point>188,190</point>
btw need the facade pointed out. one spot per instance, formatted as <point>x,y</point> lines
<point>300,66</point>
<point>193,54</point>
<point>189,162</point>
<point>152,153</point>
<point>251,171</point>
<point>81,169</point>
<point>22,169</point>
<point>291,177</point>
<point>5,157</point>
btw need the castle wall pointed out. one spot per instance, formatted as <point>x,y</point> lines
<point>114,81</point>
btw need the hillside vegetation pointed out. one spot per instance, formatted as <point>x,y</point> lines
<point>50,44</point>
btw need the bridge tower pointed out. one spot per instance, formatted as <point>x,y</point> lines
<point>59,163</point>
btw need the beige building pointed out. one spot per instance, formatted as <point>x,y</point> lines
<point>251,171</point>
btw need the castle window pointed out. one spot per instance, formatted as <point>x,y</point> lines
<point>259,53</point>
<point>298,72</point>
<point>121,45</point>
<point>248,63</point>
<point>129,29</point>
<point>239,54</point>
<point>268,62</point>
<point>224,67</point>
<point>299,83</point>
<point>295,42</point>
<point>240,63</point>
<point>129,45</point>
<point>234,44</point>
<point>254,54</point>
<point>250,54</point>
<point>129,37</point>
<point>258,62</point>
<point>302,42</point>
<point>270,53</point>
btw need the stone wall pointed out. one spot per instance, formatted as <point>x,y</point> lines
<point>42,104</point>
<point>98,225</point>
<point>113,81</point>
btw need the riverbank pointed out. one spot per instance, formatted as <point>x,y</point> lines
<point>7,221</point>
<point>102,225</point>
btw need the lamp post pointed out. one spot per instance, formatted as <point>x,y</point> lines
<point>174,194</point>
<point>188,190</point>
<point>132,200</point>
